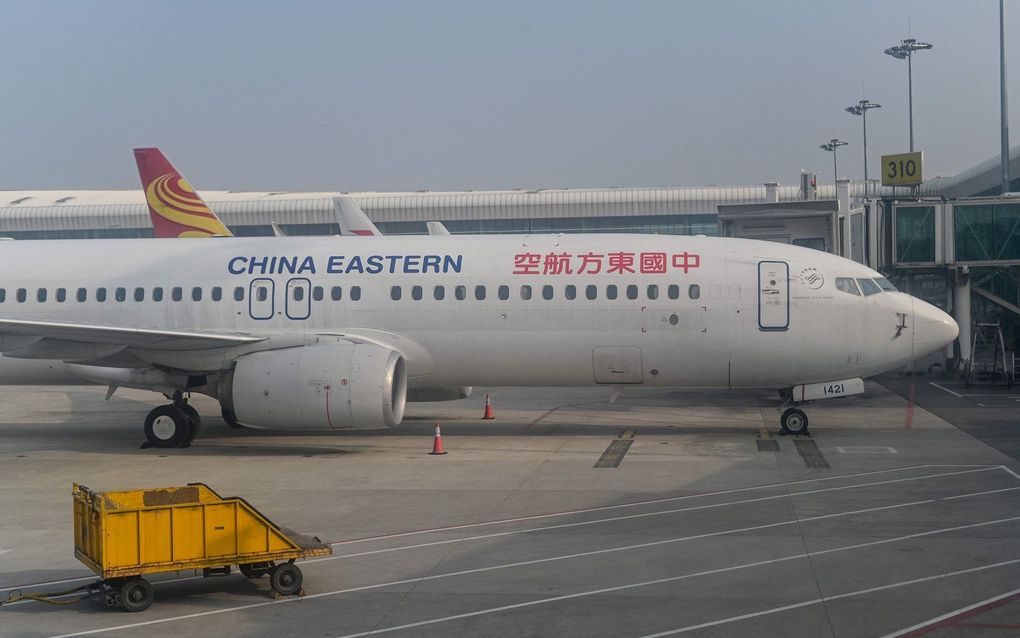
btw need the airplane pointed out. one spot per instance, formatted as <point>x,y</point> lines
<point>325,333</point>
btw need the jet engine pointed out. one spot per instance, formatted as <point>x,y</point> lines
<point>320,386</point>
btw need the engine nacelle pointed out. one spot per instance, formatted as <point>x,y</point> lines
<point>323,386</point>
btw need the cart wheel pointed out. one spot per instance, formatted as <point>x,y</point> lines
<point>136,594</point>
<point>286,579</point>
<point>252,571</point>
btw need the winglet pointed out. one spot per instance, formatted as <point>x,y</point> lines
<point>175,207</point>
<point>353,220</point>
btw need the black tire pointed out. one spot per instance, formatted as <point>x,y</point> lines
<point>136,594</point>
<point>166,426</point>
<point>794,421</point>
<point>253,571</point>
<point>286,579</point>
<point>196,422</point>
<point>230,417</point>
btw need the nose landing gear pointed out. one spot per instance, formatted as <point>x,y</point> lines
<point>174,425</point>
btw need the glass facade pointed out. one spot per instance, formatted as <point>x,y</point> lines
<point>915,234</point>
<point>987,232</point>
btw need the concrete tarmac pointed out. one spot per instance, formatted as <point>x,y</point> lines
<point>664,513</point>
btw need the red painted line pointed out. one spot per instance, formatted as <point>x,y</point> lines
<point>953,620</point>
<point>986,626</point>
<point>363,233</point>
<point>909,420</point>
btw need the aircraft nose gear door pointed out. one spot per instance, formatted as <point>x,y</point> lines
<point>773,295</point>
<point>260,299</point>
<point>299,298</point>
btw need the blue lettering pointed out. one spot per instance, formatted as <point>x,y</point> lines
<point>393,262</point>
<point>239,269</point>
<point>257,265</point>
<point>430,261</point>
<point>355,265</point>
<point>411,264</point>
<point>373,264</point>
<point>308,265</point>
<point>335,265</point>
<point>287,265</point>
<point>451,263</point>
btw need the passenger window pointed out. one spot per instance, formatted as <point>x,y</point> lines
<point>3,295</point>
<point>460,292</point>
<point>631,291</point>
<point>547,292</point>
<point>570,292</point>
<point>847,285</point>
<point>416,293</point>
<point>261,294</point>
<point>178,293</point>
<point>217,293</point>
<point>61,295</point>
<point>21,295</point>
<point>120,294</point>
<point>157,293</point>
<point>673,291</point>
<point>591,292</point>
<point>355,293</point>
<point>525,292</point>
<point>196,294</point>
<point>439,293</point>
<point>336,293</point>
<point>100,294</point>
<point>139,294</point>
<point>653,291</point>
<point>611,291</point>
<point>395,293</point>
<point>238,293</point>
<point>298,293</point>
<point>317,293</point>
<point>82,295</point>
<point>694,291</point>
<point>40,295</point>
<point>869,287</point>
<point>480,293</point>
<point>504,292</point>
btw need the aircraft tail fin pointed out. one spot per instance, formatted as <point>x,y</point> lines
<point>437,228</point>
<point>353,220</point>
<point>176,209</point>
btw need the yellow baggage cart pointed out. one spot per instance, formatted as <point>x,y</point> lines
<point>122,535</point>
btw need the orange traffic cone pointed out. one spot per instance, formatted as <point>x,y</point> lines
<point>488,416</point>
<point>437,442</point>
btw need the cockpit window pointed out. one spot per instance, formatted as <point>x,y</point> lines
<point>847,285</point>
<point>885,284</point>
<point>869,287</point>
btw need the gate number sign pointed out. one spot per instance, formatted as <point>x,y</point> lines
<point>903,169</point>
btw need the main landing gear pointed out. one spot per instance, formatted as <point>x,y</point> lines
<point>793,420</point>
<point>174,425</point>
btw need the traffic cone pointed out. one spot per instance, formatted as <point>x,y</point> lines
<point>488,416</point>
<point>437,442</point>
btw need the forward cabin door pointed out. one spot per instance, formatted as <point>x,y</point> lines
<point>773,296</point>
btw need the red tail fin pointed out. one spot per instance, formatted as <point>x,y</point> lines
<point>175,207</point>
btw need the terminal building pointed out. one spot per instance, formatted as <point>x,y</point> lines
<point>953,241</point>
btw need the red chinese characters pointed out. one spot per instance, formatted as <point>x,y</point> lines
<point>592,263</point>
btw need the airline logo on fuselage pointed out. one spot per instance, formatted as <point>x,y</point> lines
<point>592,263</point>
<point>345,264</point>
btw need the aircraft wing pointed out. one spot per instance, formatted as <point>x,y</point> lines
<point>114,336</point>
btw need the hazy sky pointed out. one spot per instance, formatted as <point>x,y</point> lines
<point>386,95</point>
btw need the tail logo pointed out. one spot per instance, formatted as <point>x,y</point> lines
<point>172,198</point>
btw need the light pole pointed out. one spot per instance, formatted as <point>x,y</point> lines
<point>1003,110</point>
<point>832,146</point>
<point>861,108</point>
<point>906,50</point>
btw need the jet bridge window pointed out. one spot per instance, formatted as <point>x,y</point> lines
<point>355,293</point>
<point>238,293</point>
<point>196,294</point>
<point>591,292</point>
<point>570,292</point>
<point>503,292</point>
<point>139,294</point>
<point>653,292</point>
<point>869,287</point>
<point>336,293</point>
<point>394,293</point>
<point>120,294</point>
<point>847,285</point>
<point>100,295</point>
<point>157,293</point>
<point>547,292</point>
<point>480,293</point>
<point>525,292</point>
<point>439,293</point>
<point>317,293</point>
<point>177,293</point>
<point>40,295</point>
<point>673,291</point>
<point>61,295</point>
<point>632,291</point>
<point>416,293</point>
<point>217,293</point>
<point>460,292</point>
<point>611,291</point>
<point>82,295</point>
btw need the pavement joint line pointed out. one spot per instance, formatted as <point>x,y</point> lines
<point>414,581</point>
<point>932,623</point>
<point>945,389</point>
<point>973,468</point>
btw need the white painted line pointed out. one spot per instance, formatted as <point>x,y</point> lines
<point>825,599</point>
<point>971,469</point>
<point>945,389</point>
<point>865,449</point>
<point>957,612</point>
<point>479,570</point>
<point>5,551</point>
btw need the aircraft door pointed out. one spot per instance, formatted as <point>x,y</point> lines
<point>260,299</point>
<point>299,298</point>
<point>773,296</point>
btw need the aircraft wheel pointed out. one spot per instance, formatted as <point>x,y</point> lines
<point>166,426</point>
<point>136,594</point>
<point>286,579</point>
<point>231,418</point>
<point>794,421</point>
<point>196,423</point>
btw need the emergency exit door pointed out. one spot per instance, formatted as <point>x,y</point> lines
<point>773,295</point>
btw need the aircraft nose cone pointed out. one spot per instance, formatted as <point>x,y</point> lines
<point>933,329</point>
